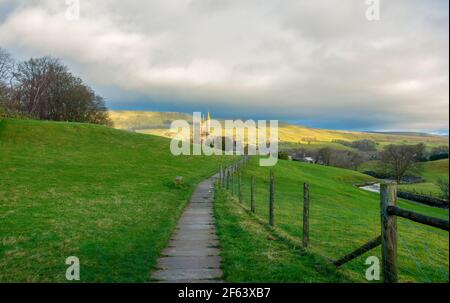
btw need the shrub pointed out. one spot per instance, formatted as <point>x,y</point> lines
<point>283,155</point>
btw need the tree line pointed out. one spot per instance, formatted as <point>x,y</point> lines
<point>44,88</point>
<point>395,160</point>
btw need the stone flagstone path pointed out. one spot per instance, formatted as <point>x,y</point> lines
<point>192,254</point>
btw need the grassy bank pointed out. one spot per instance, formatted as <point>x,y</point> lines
<point>343,217</point>
<point>252,253</point>
<point>431,171</point>
<point>103,195</point>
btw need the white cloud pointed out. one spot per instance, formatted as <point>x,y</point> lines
<point>314,60</point>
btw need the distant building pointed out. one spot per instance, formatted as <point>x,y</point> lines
<point>301,156</point>
<point>308,160</point>
<point>206,127</point>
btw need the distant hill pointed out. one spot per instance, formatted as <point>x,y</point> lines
<point>290,135</point>
<point>418,134</point>
<point>138,120</point>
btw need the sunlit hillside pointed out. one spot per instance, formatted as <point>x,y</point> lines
<point>141,120</point>
<point>158,123</point>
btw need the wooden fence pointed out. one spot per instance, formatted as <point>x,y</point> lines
<point>389,211</point>
<point>227,176</point>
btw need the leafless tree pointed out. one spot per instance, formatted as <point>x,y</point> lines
<point>6,65</point>
<point>33,81</point>
<point>443,186</point>
<point>45,89</point>
<point>397,160</point>
<point>324,155</point>
<point>6,68</point>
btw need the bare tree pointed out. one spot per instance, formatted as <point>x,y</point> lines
<point>33,81</point>
<point>45,89</point>
<point>443,186</point>
<point>346,159</point>
<point>6,68</point>
<point>399,159</point>
<point>324,155</point>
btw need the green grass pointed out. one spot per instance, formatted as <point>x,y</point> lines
<point>343,217</point>
<point>431,171</point>
<point>252,253</point>
<point>103,195</point>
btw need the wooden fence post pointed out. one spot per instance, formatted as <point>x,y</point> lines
<point>232,182</point>
<point>228,178</point>
<point>222,181</point>
<point>388,197</point>
<point>271,199</point>
<point>220,175</point>
<point>240,186</point>
<point>305,234</point>
<point>252,194</point>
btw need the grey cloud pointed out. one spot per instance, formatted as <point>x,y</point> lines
<point>297,60</point>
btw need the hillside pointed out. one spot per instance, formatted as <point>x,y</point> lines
<point>138,120</point>
<point>108,197</point>
<point>290,135</point>
<point>342,218</point>
<point>104,195</point>
<point>431,171</point>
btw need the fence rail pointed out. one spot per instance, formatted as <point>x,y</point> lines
<point>359,251</point>
<point>416,217</point>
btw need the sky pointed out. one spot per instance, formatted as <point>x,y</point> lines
<point>320,63</point>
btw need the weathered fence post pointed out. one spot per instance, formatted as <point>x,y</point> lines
<point>220,175</point>
<point>232,182</point>
<point>252,194</point>
<point>271,199</point>
<point>222,180</point>
<point>240,186</point>
<point>305,234</point>
<point>228,178</point>
<point>388,197</point>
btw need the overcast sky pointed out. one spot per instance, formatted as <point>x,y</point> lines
<point>319,63</point>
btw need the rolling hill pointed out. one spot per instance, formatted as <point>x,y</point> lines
<point>430,171</point>
<point>290,136</point>
<point>108,197</point>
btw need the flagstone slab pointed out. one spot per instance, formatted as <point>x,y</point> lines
<point>189,262</point>
<point>188,274</point>
<point>187,251</point>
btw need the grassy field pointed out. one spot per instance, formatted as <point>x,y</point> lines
<point>106,196</point>
<point>431,171</point>
<point>342,217</point>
